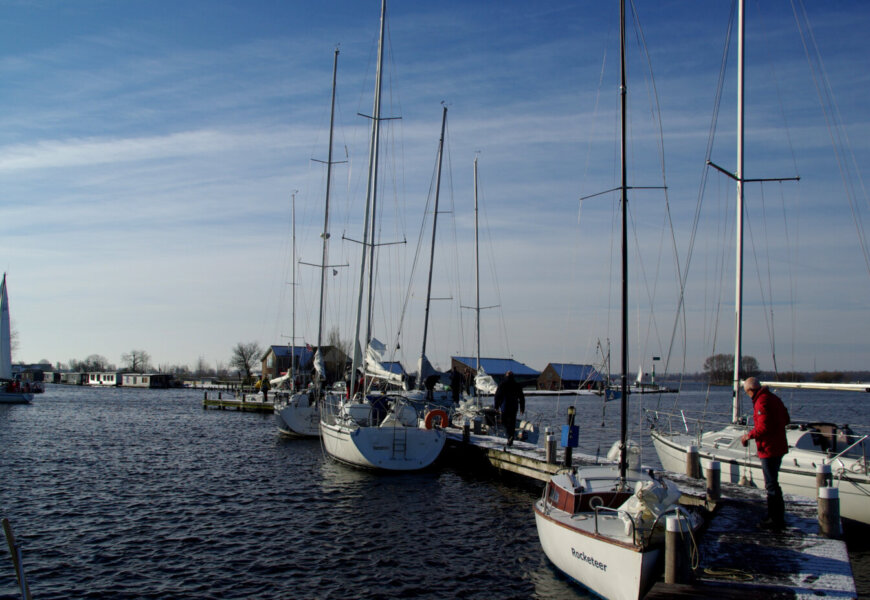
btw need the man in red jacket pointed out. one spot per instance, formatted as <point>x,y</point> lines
<point>770,418</point>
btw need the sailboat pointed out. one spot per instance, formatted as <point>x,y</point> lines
<point>427,393</point>
<point>473,408</point>
<point>377,432</point>
<point>602,525</point>
<point>11,391</point>
<point>811,444</point>
<point>298,415</point>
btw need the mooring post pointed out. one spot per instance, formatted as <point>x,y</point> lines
<point>466,431</point>
<point>677,563</point>
<point>829,512</point>
<point>693,463</point>
<point>551,447</point>
<point>714,478</point>
<point>823,475</point>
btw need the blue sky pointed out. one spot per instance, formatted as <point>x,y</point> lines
<point>149,152</point>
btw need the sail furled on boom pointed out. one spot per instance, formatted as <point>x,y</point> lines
<point>374,363</point>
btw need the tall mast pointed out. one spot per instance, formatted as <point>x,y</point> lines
<point>325,234</point>
<point>476,272</point>
<point>623,90</point>
<point>432,249</point>
<point>738,287</point>
<point>293,284</point>
<point>369,221</point>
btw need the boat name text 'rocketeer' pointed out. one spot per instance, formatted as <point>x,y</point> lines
<point>582,556</point>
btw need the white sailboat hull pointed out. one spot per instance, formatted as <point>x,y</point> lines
<point>614,570</point>
<point>383,448</point>
<point>797,474</point>
<point>298,416</point>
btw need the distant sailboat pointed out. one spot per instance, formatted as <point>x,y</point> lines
<point>11,391</point>
<point>811,445</point>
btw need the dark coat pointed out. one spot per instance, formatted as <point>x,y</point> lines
<point>509,396</point>
<point>770,419</point>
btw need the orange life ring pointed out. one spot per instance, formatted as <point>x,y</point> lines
<point>430,417</point>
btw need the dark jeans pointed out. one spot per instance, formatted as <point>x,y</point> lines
<point>770,469</point>
<point>509,420</point>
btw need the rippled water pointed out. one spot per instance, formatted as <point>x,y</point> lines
<point>118,493</point>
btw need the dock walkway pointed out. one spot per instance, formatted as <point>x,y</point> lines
<point>239,404</point>
<point>734,558</point>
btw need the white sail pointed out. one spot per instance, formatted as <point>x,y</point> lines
<point>5,334</point>
<point>319,366</point>
<point>374,363</point>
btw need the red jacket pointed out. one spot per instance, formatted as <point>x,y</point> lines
<point>770,418</point>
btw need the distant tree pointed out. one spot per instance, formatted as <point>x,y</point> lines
<point>828,377</point>
<point>220,369</point>
<point>94,362</point>
<point>178,370</point>
<point>748,367</point>
<point>334,339</point>
<point>201,367</point>
<point>719,368</point>
<point>245,357</point>
<point>136,361</point>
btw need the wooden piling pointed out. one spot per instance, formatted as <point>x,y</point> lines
<point>714,481</point>
<point>678,567</point>
<point>466,431</point>
<point>829,512</point>
<point>693,463</point>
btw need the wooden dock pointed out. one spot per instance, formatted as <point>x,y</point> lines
<point>234,403</point>
<point>734,558</point>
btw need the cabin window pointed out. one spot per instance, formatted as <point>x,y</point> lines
<point>554,495</point>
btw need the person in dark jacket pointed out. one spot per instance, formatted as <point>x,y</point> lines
<point>770,418</point>
<point>508,397</point>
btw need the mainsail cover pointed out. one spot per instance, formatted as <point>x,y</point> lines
<point>5,336</point>
<point>374,365</point>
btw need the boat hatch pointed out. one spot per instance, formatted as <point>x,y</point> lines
<point>723,441</point>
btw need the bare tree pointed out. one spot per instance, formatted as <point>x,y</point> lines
<point>245,357</point>
<point>334,339</point>
<point>720,368</point>
<point>95,362</point>
<point>137,361</point>
<point>202,367</point>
